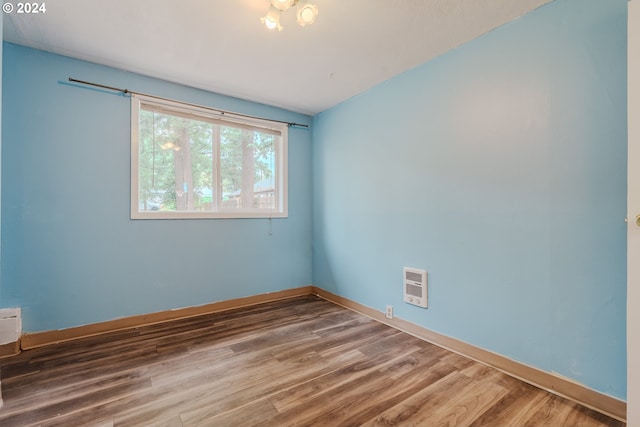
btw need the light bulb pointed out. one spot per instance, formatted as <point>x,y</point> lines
<point>270,23</point>
<point>272,19</point>
<point>307,13</point>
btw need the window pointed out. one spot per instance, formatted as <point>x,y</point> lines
<point>192,162</point>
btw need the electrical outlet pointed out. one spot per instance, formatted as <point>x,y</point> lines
<point>389,313</point>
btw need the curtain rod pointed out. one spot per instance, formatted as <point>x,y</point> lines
<point>127,91</point>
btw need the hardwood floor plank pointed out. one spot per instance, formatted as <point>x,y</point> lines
<point>355,405</point>
<point>470,402</point>
<point>46,411</point>
<point>514,408</point>
<point>412,383</point>
<point>82,375</point>
<point>242,416</point>
<point>413,410</point>
<point>257,388</point>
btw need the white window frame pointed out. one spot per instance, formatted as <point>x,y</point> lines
<point>281,153</point>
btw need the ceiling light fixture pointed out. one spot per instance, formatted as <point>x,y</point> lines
<point>306,13</point>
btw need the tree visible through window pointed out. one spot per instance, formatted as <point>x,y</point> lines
<point>189,162</point>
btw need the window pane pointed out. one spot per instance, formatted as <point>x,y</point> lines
<point>176,163</point>
<point>247,160</point>
<point>188,162</point>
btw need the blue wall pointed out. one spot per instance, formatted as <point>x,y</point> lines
<point>72,256</point>
<point>499,167</point>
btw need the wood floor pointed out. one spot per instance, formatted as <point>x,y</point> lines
<point>298,362</point>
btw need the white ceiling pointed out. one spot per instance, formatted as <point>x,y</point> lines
<point>221,46</point>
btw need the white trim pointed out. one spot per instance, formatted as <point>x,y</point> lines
<point>281,162</point>
<point>135,121</point>
<point>209,113</point>
<point>282,178</point>
<point>222,214</point>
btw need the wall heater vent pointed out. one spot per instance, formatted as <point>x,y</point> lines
<point>10,325</point>
<point>415,287</point>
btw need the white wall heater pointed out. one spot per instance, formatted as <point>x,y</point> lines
<point>415,286</point>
